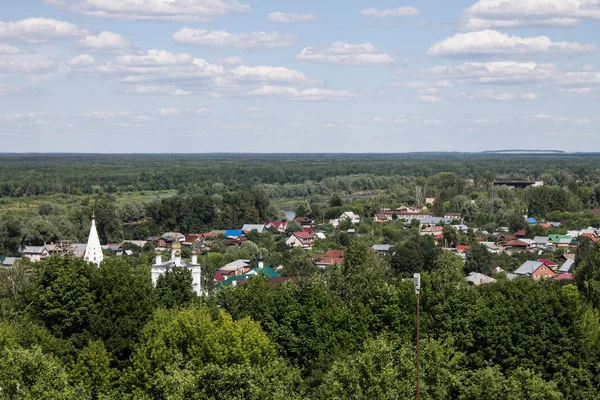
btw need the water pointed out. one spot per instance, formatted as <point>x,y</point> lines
<point>290,212</point>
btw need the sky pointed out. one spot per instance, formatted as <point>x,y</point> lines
<point>328,76</point>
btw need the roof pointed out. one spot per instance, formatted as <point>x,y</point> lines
<point>567,266</point>
<point>531,220</point>
<point>547,262</point>
<point>171,236</point>
<point>546,225</point>
<point>349,214</point>
<point>433,229</point>
<point>478,279</point>
<point>528,267</point>
<point>541,239</point>
<point>276,224</point>
<point>253,227</point>
<point>515,243</point>
<point>461,247</point>
<point>8,261</point>
<point>556,238</point>
<point>567,276</point>
<point>34,249</point>
<point>235,265</point>
<point>268,271</point>
<point>303,235</point>
<point>382,247</point>
<point>234,233</point>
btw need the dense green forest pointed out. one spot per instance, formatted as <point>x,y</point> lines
<point>69,330</point>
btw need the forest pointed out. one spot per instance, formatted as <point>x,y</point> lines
<point>69,330</point>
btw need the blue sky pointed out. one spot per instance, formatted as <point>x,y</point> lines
<point>312,76</point>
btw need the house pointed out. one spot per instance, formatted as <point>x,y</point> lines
<point>301,239</point>
<point>491,247</point>
<point>430,201</point>
<point>566,276</point>
<point>235,280</point>
<point>236,268</point>
<point>159,267</point>
<point>541,241</point>
<point>496,268</point>
<point>350,216</point>
<point>549,263</point>
<point>167,240</point>
<point>381,218</point>
<point>252,227</point>
<point>331,257</point>
<point>516,245</point>
<point>35,253</point>
<point>234,233</point>
<point>409,216</point>
<point>567,266</point>
<point>280,226</point>
<point>320,235</point>
<point>8,261</point>
<point>382,249</point>
<point>138,243</point>
<point>453,216</point>
<point>535,270</point>
<point>305,221</point>
<point>478,279</point>
<point>432,231</point>
<point>462,248</point>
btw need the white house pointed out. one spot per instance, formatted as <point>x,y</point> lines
<point>349,215</point>
<point>301,239</point>
<point>160,268</point>
<point>35,253</point>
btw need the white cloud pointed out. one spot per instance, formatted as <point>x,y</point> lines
<point>490,14</point>
<point>160,90</point>
<point>313,94</point>
<point>347,53</point>
<point>38,30</point>
<point>251,110</point>
<point>250,40</point>
<point>492,95</point>
<point>28,67</point>
<point>490,42</point>
<point>31,116</point>
<point>173,10</point>
<point>581,90</point>
<point>555,119</point>
<point>485,121</point>
<point>204,111</point>
<point>427,98</point>
<point>530,96</point>
<point>234,60</point>
<point>156,57</point>
<point>168,112</point>
<point>6,90</point>
<point>105,41</point>
<point>157,65</point>
<point>107,114</point>
<point>9,50</point>
<point>82,60</point>
<point>270,74</point>
<point>495,72</point>
<point>284,18</point>
<point>396,12</point>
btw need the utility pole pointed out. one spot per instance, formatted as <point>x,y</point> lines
<point>417,283</point>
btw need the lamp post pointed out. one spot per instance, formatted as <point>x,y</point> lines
<point>417,283</point>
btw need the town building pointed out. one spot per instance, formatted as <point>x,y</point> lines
<point>160,268</point>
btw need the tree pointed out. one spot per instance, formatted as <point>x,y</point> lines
<point>92,373</point>
<point>478,259</point>
<point>64,298</point>
<point>336,201</point>
<point>124,303</point>
<point>293,226</point>
<point>408,259</point>
<point>448,270</point>
<point>175,288</point>
<point>31,374</point>
<point>187,341</point>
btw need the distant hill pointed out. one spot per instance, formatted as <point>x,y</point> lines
<point>521,151</point>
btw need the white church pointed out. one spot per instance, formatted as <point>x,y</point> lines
<point>93,254</point>
<point>160,267</point>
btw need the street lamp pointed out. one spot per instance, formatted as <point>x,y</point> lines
<point>417,283</point>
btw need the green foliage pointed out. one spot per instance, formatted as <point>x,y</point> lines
<point>479,259</point>
<point>175,288</point>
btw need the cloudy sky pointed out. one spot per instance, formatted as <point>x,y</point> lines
<point>197,76</point>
